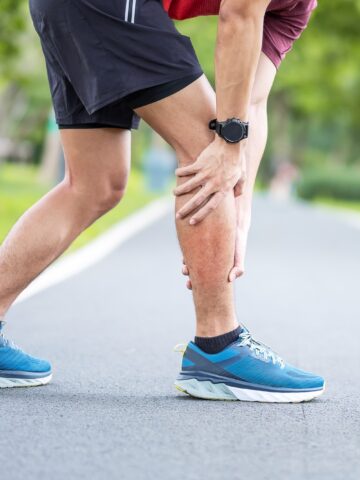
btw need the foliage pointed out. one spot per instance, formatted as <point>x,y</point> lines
<point>336,183</point>
<point>314,103</point>
<point>24,94</point>
<point>12,24</point>
<point>202,32</point>
<point>343,205</point>
<point>316,95</point>
<point>320,80</point>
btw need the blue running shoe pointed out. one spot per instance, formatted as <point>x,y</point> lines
<point>17,369</point>
<point>245,370</point>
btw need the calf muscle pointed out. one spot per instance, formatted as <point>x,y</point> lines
<point>208,248</point>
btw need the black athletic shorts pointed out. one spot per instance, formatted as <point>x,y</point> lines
<point>106,57</point>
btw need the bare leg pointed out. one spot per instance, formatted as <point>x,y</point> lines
<point>208,248</point>
<point>97,168</point>
<point>255,147</point>
<point>254,150</point>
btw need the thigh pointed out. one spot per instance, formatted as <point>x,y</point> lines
<point>183,118</point>
<point>97,156</point>
<point>257,140</point>
<point>264,79</point>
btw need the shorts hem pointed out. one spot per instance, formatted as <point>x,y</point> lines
<point>89,126</point>
<point>91,109</point>
<point>165,92</point>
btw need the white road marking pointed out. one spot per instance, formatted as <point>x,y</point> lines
<point>99,248</point>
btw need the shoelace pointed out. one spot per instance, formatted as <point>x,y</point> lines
<point>5,342</point>
<point>260,349</point>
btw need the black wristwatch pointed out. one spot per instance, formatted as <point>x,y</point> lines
<point>232,130</point>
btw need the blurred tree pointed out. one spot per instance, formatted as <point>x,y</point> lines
<point>24,95</point>
<point>202,32</point>
<point>314,106</point>
<point>12,24</point>
<point>319,83</point>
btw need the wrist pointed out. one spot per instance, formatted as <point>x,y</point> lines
<point>229,148</point>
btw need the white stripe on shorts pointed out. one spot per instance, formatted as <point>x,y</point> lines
<point>127,10</point>
<point>133,12</point>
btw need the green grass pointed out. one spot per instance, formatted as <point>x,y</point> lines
<point>338,204</point>
<point>20,188</point>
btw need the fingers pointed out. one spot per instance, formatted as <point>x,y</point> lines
<point>239,187</point>
<point>188,170</point>
<point>238,269</point>
<point>185,270</point>
<point>198,199</point>
<point>235,273</point>
<point>190,185</point>
<point>209,207</point>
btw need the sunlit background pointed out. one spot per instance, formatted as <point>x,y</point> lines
<point>313,149</point>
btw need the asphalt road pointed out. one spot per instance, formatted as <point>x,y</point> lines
<point>111,411</point>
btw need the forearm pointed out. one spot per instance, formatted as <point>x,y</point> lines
<point>238,48</point>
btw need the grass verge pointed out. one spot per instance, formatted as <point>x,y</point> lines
<point>338,204</point>
<point>20,188</point>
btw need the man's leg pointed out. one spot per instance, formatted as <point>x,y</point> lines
<point>245,369</point>
<point>255,147</point>
<point>208,248</point>
<point>97,169</point>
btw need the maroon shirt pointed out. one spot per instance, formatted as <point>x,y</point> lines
<point>284,21</point>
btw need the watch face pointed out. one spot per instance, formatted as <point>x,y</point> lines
<point>233,131</point>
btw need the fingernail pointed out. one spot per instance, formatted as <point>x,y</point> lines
<point>178,215</point>
<point>192,221</point>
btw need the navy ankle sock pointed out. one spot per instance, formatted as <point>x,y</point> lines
<point>216,344</point>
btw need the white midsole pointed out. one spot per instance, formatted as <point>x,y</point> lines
<point>220,391</point>
<point>24,382</point>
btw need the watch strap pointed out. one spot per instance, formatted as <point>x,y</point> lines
<point>213,124</point>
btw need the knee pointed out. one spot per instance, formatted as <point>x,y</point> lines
<point>258,101</point>
<point>108,197</point>
<point>188,152</point>
<point>96,198</point>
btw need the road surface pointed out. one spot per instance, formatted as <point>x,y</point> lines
<point>112,413</point>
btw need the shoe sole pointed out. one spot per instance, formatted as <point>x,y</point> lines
<point>207,390</point>
<point>24,382</point>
